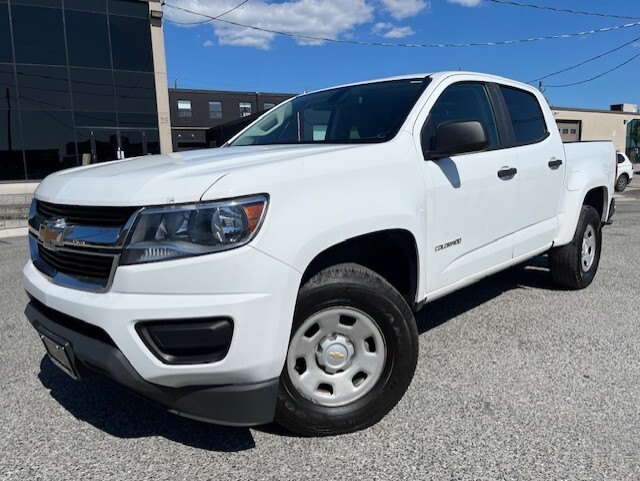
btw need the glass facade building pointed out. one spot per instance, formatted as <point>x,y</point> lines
<point>77,84</point>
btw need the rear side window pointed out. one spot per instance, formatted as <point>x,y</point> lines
<point>526,115</point>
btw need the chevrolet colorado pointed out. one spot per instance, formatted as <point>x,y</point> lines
<point>277,277</point>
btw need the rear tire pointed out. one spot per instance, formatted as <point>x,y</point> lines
<point>575,265</point>
<point>352,353</point>
<point>622,182</point>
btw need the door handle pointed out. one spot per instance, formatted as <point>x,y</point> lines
<point>555,163</point>
<point>507,172</point>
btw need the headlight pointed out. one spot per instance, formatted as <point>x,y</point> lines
<point>172,232</point>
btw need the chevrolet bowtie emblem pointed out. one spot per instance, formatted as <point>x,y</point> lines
<point>52,232</point>
<point>336,355</point>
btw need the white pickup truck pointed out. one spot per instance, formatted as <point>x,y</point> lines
<point>277,277</point>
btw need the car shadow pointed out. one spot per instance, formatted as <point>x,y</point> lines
<point>120,413</point>
<point>533,273</point>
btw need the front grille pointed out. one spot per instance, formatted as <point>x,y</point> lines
<point>77,264</point>
<point>86,215</point>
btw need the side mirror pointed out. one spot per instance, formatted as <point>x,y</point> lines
<point>457,138</point>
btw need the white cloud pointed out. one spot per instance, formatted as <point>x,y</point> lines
<point>400,9</point>
<point>381,26</point>
<point>389,30</point>
<point>466,3</point>
<point>208,43</point>
<point>315,18</point>
<point>399,32</point>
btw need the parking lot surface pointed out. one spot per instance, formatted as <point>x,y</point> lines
<point>516,380</point>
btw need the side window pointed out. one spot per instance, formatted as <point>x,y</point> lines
<point>184,108</point>
<point>245,109</point>
<point>215,109</point>
<point>461,102</point>
<point>526,116</point>
<point>620,159</point>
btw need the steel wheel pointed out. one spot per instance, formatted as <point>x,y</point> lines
<point>574,265</point>
<point>588,248</point>
<point>336,356</point>
<point>352,353</point>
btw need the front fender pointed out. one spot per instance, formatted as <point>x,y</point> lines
<point>317,203</point>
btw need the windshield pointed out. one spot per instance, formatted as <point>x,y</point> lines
<point>365,113</point>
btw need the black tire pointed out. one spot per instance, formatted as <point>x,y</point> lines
<point>622,182</point>
<point>566,262</point>
<point>352,286</point>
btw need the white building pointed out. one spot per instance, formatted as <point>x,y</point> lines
<point>621,125</point>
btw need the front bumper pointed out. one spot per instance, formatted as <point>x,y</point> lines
<point>255,291</point>
<point>93,351</point>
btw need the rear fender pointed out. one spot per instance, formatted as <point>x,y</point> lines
<point>572,206</point>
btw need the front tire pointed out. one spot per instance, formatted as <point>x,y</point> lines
<point>352,353</point>
<point>575,265</point>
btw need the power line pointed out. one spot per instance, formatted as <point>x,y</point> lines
<point>208,19</point>
<point>584,62</point>
<point>562,10</point>
<point>597,76</point>
<point>409,45</point>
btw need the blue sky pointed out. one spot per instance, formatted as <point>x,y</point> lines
<point>218,55</point>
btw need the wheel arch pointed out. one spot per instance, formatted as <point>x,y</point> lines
<point>597,198</point>
<point>391,253</point>
<point>595,195</point>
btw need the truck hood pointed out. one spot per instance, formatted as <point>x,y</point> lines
<point>164,179</point>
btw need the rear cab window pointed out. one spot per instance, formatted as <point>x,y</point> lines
<point>526,116</point>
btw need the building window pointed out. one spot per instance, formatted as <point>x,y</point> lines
<point>215,110</point>
<point>565,131</point>
<point>88,39</point>
<point>574,131</point>
<point>269,106</point>
<point>184,108</point>
<point>38,35</point>
<point>131,42</point>
<point>245,109</point>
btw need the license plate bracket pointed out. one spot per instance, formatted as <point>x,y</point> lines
<point>60,353</point>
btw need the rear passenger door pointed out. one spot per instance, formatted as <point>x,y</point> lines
<point>471,204</point>
<point>541,169</point>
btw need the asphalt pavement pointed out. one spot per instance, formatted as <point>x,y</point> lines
<point>516,380</point>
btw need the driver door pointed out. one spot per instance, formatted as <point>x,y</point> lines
<point>471,202</point>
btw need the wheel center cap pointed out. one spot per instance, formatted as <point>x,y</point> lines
<point>334,353</point>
